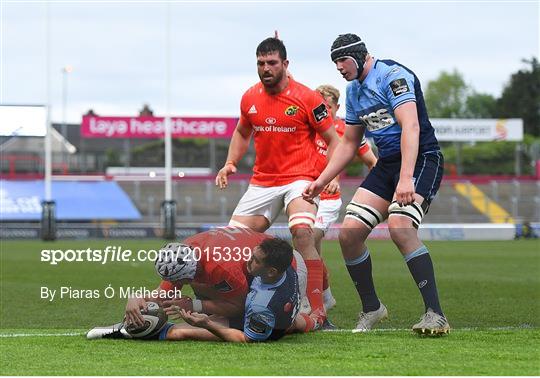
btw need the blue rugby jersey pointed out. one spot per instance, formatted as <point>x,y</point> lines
<point>372,103</point>
<point>271,308</point>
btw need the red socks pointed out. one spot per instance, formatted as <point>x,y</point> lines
<point>315,284</point>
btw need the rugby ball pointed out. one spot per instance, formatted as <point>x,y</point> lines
<point>154,320</point>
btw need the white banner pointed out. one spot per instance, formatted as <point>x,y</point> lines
<point>477,130</point>
<point>23,120</point>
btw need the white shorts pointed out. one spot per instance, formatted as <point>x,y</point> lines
<point>301,272</point>
<point>269,200</point>
<point>327,214</point>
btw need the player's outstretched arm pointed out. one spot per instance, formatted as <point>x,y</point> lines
<point>224,333</point>
<point>237,149</point>
<point>229,308</point>
<point>407,118</point>
<point>172,307</point>
<point>343,154</point>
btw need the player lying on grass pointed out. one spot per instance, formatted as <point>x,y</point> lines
<point>264,265</point>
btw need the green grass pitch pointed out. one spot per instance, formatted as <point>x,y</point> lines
<point>490,292</point>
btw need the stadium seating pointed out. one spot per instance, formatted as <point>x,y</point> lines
<point>200,201</point>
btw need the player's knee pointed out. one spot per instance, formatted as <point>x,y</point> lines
<point>348,237</point>
<point>302,237</point>
<point>396,223</point>
<point>399,235</point>
<point>301,225</point>
<point>401,230</point>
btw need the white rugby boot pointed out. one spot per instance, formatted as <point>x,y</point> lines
<point>115,331</point>
<point>432,324</point>
<point>366,320</point>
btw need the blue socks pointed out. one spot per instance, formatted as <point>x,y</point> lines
<point>360,272</point>
<point>421,268</point>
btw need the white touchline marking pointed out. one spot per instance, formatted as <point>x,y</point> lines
<point>342,330</point>
<point>509,328</point>
<point>41,334</point>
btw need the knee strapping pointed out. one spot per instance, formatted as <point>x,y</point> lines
<point>366,214</point>
<point>415,212</point>
<point>302,220</point>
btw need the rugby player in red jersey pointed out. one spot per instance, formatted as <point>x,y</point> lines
<point>284,117</point>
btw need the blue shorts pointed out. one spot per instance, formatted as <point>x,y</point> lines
<point>383,178</point>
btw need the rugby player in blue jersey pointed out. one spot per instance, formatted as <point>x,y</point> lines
<point>272,305</point>
<point>384,100</point>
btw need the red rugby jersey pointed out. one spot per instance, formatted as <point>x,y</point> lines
<point>285,127</point>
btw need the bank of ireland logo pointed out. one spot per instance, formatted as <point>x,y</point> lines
<point>270,121</point>
<point>291,110</point>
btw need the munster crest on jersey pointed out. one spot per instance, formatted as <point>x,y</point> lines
<point>291,110</point>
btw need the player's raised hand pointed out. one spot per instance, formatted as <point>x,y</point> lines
<point>312,190</point>
<point>223,174</point>
<point>194,318</point>
<point>133,311</point>
<point>405,192</point>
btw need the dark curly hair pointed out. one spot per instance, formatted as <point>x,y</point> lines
<point>270,45</point>
<point>277,253</point>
